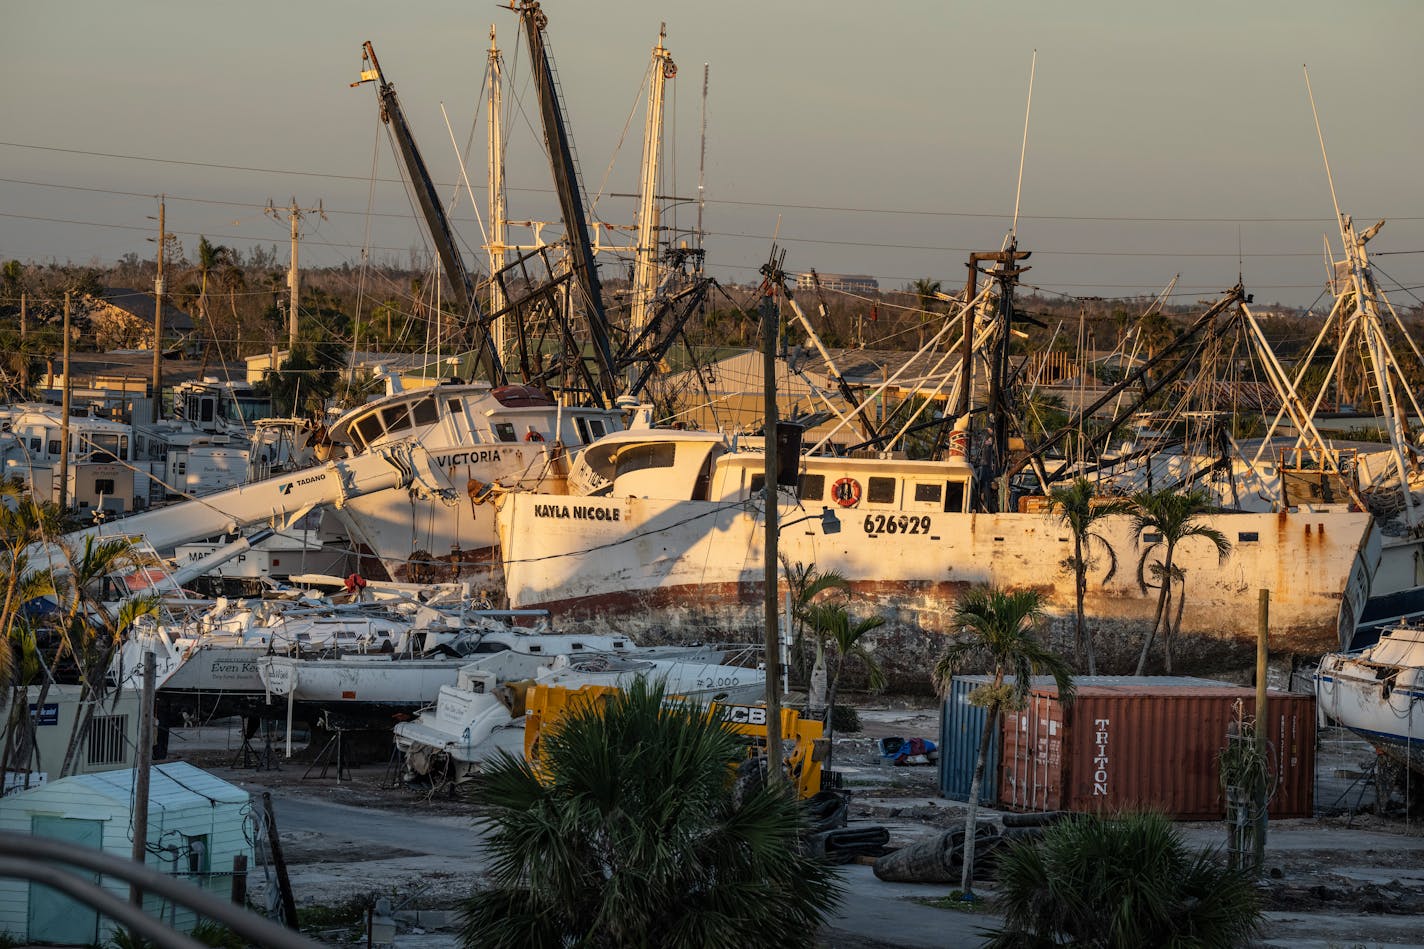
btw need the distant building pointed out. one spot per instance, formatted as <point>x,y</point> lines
<point>123,319</point>
<point>850,283</point>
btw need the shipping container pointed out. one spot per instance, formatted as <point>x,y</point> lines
<point>1128,747</point>
<point>961,725</point>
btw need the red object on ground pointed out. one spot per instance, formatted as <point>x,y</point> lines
<point>1134,747</point>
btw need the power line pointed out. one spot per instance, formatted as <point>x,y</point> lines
<point>912,212</point>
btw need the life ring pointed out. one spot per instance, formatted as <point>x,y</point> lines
<point>533,436</point>
<point>846,492</point>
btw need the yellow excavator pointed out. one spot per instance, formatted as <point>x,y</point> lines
<point>546,705</point>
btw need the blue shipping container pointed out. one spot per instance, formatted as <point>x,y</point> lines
<point>961,725</point>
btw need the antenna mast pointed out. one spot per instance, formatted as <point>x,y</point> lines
<point>1023,149</point>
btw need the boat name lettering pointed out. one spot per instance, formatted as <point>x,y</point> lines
<point>744,714</point>
<point>234,667</point>
<point>1100,757</point>
<point>876,524</point>
<point>479,457</point>
<point>578,512</point>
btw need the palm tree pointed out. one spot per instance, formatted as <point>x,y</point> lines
<point>924,290</point>
<point>807,584</point>
<point>1120,882</point>
<point>1079,509</point>
<point>835,629</point>
<point>210,258</point>
<point>1174,516</point>
<point>999,628</point>
<point>631,833</point>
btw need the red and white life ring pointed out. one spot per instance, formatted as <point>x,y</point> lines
<point>846,492</point>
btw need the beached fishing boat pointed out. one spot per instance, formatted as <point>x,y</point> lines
<point>671,537</point>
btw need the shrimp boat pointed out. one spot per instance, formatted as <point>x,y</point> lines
<point>664,530</point>
<point>673,538</point>
<point>1378,693</point>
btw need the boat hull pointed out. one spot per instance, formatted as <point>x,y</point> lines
<point>655,567</point>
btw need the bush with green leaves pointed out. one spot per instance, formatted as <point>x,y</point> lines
<point>1121,882</point>
<point>633,832</point>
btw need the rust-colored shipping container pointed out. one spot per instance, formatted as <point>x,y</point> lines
<point>1135,746</point>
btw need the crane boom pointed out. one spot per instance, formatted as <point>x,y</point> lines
<point>487,358</point>
<point>273,499</point>
<point>561,161</point>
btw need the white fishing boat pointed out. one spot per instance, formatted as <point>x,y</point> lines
<point>669,534</point>
<point>1378,693</point>
<point>483,712</point>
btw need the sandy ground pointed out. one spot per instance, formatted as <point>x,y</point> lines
<point>1337,880</point>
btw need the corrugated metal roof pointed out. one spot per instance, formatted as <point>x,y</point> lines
<point>1082,682</point>
<point>173,784</point>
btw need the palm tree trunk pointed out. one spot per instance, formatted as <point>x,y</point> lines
<point>991,723</point>
<point>1175,627</point>
<point>1162,598</point>
<point>1080,575</point>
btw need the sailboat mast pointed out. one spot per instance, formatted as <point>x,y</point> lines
<point>496,195</point>
<point>645,273</point>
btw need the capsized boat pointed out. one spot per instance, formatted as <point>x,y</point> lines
<point>1378,693</point>
<point>483,712</point>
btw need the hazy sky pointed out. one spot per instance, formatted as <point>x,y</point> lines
<point>881,138</point>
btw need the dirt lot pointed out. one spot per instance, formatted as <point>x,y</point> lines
<point>1338,880</point>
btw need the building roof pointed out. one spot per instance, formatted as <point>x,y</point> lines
<point>172,784</point>
<point>140,304</point>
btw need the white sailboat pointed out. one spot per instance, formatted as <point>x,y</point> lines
<point>1378,693</point>
<point>482,713</point>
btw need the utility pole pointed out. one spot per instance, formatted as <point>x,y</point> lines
<point>157,409</point>
<point>145,761</point>
<point>64,416</point>
<point>24,354</point>
<point>772,643</point>
<point>294,216</point>
<point>1263,627</point>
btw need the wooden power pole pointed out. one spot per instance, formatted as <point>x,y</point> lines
<point>294,218</point>
<point>141,775</point>
<point>773,614</point>
<point>157,411</point>
<point>64,415</point>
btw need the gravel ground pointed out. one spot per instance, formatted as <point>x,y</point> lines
<point>1336,880</point>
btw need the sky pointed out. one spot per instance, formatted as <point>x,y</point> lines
<point>881,139</point>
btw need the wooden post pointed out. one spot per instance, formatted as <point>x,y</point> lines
<point>772,641</point>
<point>279,862</point>
<point>1262,723</point>
<point>141,775</point>
<point>24,353</point>
<point>239,879</point>
<point>64,416</point>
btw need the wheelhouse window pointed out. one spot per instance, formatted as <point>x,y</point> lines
<point>928,493</point>
<point>641,457</point>
<point>880,490</point>
<point>504,431</point>
<point>425,412</point>
<point>813,487</point>
<point>369,428</point>
<point>396,417</point>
